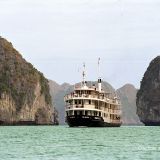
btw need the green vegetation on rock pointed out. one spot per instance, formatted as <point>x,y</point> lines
<point>19,78</point>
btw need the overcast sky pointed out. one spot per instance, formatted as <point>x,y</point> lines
<point>57,36</point>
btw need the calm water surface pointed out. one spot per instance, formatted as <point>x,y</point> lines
<point>64,143</point>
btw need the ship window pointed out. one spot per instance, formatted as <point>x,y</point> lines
<point>86,113</point>
<point>99,114</point>
<point>75,101</point>
<point>89,101</point>
<point>89,113</point>
<point>118,118</point>
<point>75,113</point>
<point>67,113</point>
<point>79,101</point>
<point>95,113</point>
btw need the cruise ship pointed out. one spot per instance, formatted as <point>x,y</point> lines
<point>91,106</point>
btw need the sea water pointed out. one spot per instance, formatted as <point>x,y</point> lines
<point>64,143</point>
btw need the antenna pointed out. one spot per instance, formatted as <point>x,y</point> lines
<point>99,78</point>
<point>99,68</point>
<point>84,73</point>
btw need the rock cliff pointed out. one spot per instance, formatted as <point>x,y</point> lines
<point>24,91</point>
<point>148,97</point>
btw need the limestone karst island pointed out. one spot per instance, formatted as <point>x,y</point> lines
<point>148,97</point>
<point>24,92</point>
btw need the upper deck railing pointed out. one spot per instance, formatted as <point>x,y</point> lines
<point>92,97</point>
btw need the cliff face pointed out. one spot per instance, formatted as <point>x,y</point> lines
<point>127,95</point>
<point>24,92</point>
<point>148,97</point>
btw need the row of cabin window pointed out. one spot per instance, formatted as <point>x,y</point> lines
<point>91,102</point>
<point>96,103</point>
<point>83,92</point>
<point>82,101</point>
<point>114,117</point>
<point>86,113</point>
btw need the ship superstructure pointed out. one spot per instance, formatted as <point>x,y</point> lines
<point>91,106</point>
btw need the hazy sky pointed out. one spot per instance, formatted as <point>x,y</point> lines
<point>57,36</point>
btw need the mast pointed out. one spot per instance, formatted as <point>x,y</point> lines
<point>84,75</point>
<point>99,77</point>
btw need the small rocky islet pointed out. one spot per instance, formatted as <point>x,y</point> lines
<point>24,92</point>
